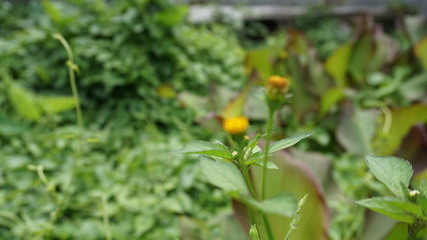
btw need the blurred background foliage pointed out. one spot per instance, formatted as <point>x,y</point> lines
<point>150,81</point>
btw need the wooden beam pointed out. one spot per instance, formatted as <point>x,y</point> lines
<point>206,13</point>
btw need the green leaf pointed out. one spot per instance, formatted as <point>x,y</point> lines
<point>281,205</point>
<point>287,142</point>
<point>361,53</point>
<point>56,104</point>
<point>337,64</point>
<point>24,102</point>
<point>225,176</point>
<point>395,208</point>
<point>391,171</point>
<point>215,149</point>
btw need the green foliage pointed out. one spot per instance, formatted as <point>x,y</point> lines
<point>408,206</point>
<point>126,50</point>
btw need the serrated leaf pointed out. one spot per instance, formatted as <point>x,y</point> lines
<point>225,176</point>
<point>395,208</point>
<point>287,142</point>
<point>215,149</point>
<point>391,171</point>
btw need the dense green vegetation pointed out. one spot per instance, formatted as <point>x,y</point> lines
<point>149,82</point>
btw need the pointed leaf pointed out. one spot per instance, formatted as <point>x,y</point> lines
<point>391,171</point>
<point>287,142</point>
<point>215,149</point>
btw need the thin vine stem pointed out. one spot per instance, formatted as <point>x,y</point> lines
<point>72,68</point>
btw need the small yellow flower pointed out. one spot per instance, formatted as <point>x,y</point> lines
<point>236,125</point>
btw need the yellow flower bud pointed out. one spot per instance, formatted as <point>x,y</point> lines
<point>277,85</point>
<point>236,125</point>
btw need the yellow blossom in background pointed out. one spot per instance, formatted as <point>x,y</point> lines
<point>236,125</point>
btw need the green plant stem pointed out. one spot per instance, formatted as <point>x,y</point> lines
<point>264,170</point>
<point>266,150</point>
<point>245,171</point>
<point>414,228</point>
<point>72,68</point>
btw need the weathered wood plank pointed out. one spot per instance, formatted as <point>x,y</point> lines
<point>204,13</point>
